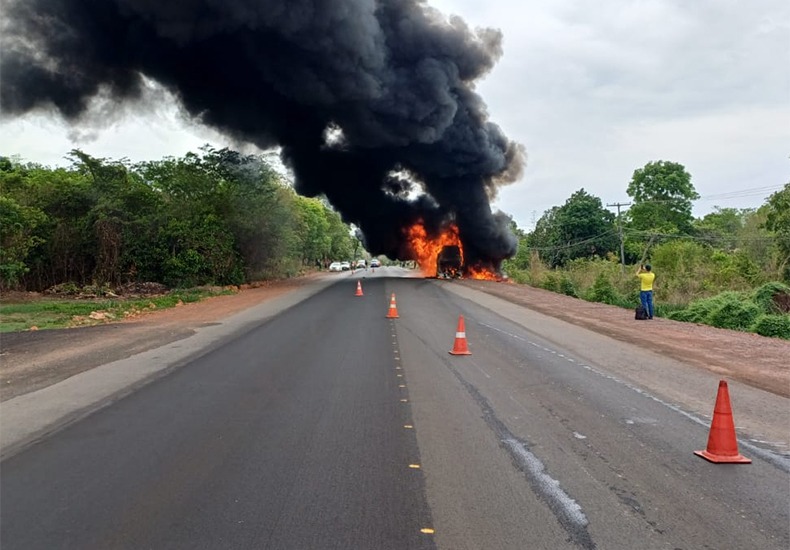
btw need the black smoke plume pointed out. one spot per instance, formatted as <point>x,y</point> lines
<point>372,101</point>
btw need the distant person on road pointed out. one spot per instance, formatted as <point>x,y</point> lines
<point>646,278</point>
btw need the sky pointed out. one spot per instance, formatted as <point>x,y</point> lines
<point>593,90</point>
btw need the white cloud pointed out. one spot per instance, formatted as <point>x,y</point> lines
<point>149,129</point>
<point>597,90</point>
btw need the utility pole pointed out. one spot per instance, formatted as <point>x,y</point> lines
<point>620,230</point>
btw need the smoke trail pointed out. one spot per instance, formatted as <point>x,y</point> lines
<point>390,80</point>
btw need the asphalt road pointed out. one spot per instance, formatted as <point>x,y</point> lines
<point>330,426</point>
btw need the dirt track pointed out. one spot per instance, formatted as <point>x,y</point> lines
<point>32,360</point>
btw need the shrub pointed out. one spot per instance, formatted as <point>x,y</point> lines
<point>666,310</point>
<point>518,275</point>
<point>733,312</point>
<point>550,282</point>
<point>747,268</point>
<point>773,297</point>
<point>695,312</point>
<point>64,289</point>
<point>682,269</point>
<point>700,310</point>
<point>583,273</point>
<point>603,291</point>
<point>537,269</point>
<point>775,326</point>
<point>631,296</point>
<point>567,287</point>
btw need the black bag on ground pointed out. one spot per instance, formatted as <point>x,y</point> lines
<point>641,313</point>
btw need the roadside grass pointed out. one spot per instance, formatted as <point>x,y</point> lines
<point>759,310</point>
<point>52,313</point>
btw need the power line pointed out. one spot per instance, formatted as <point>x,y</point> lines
<point>741,193</point>
<point>571,245</point>
<point>710,238</point>
<point>638,233</point>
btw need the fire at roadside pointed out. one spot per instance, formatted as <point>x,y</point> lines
<point>442,255</point>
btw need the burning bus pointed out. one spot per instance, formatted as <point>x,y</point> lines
<point>442,255</point>
<point>449,263</point>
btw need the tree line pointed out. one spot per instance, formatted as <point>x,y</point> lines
<point>213,217</point>
<point>729,269</point>
<point>752,245</point>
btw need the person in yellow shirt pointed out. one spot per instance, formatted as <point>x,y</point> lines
<point>646,278</point>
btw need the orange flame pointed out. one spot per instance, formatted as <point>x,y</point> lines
<point>425,249</point>
<point>483,273</point>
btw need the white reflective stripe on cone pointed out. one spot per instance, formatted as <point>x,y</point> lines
<point>460,335</point>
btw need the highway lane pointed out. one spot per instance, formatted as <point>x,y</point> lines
<point>610,462</point>
<point>301,433</point>
<point>291,436</point>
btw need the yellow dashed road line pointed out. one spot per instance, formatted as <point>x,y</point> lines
<point>395,351</point>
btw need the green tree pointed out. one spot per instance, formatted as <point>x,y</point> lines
<point>194,238</point>
<point>118,220</point>
<point>522,258</point>
<point>544,237</point>
<point>756,242</point>
<point>778,221</point>
<point>722,227</point>
<point>260,211</point>
<point>662,193</point>
<point>62,251</point>
<point>316,241</point>
<point>341,245</point>
<point>580,228</point>
<point>18,226</point>
<point>217,216</point>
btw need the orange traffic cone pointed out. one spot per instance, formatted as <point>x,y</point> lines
<point>359,289</point>
<point>459,347</point>
<point>722,444</point>
<point>393,312</point>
